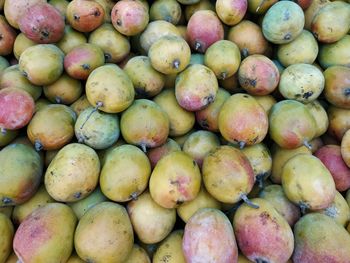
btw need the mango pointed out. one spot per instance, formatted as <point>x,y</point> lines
<point>191,8</point>
<point>312,10</point>
<point>39,199</point>
<point>291,124</point>
<point>181,121</point>
<point>12,258</point>
<point>74,258</point>
<point>6,210</point>
<point>85,16</point>
<point>168,10</point>
<point>331,157</point>
<point>60,5</point>
<point>73,173</point>
<point>104,234</point>
<point>114,45</point>
<point>157,153</point>
<point>51,127</point>
<point>345,148</point>
<point>42,235</point>
<point>242,120</point>
<point>6,237</point>
<point>196,87</point>
<point>337,82</point>
<point>335,54</point>
<point>263,235</point>
<point>318,238</point>
<point>305,191</point>
<point>138,255</point>
<point>319,113</point>
<point>151,222</point>
<point>248,37</point>
<point>258,75</point>
<point>227,174</point>
<point>169,54</point>
<point>209,237</point>
<point>231,12</point>
<point>259,7</point>
<point>125,173</point>
<point>19,185</point>
<point>104,85</point>
<point>71,39</point>
<point>199,144</point>
<point>80,105</point>
<point>202,200</point>
<point>81,206</point>
<point>275,195</point>
<point>97,129</point>
<point>146,80</point>
<point>303,49</point>
<point>339,122</point>
<point>130,17</point>
<point>8,37</point>
<point>170,250</point>
<point>174,180</point>
<point>42,64</point>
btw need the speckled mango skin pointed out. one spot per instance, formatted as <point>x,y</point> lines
<point>17,185</point>
<point>6,237</point>
<point>170,250</point>
<point>138,255</point>
<point>104,234</point>
<point>209,237</point>
<point>43,235</point>
<point>263,233</point>
<point>318,238</point>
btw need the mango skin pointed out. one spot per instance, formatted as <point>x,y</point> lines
<point>6,237</point>
<point>175,179</point>
<point>227,174</point>
<point>125,173</point>
<point>170,250</point>
<point>42,235</point>
<point>19,185</point>
<point>73,173</point>
<point>82,206</point>
<point>314,191</point>
<point>283,22</point>
<point>40,199</point>
<point>335,54</point>
<point>209,237</point>
<point>318,238</point>
<point>104,234</point>
<point>151,222</point>
<point>263,233</point>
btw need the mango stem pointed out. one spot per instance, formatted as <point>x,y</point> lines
<point>246,200</point>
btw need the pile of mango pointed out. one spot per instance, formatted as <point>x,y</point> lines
<point>174,131</point>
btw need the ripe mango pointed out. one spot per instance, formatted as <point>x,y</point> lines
<point>170,250</point>
<point>138,255</point>
<point>104,234</point>
<point>43,236</point>
<point>6,237</point>
<point>263,235</point>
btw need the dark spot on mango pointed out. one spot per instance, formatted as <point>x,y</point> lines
<point>97,13</point>
<point>76,17</point>
<point>347,92</point>
<point>264,216</point>
<point>204,124</point>
<point>85,66</point>
<point>6,200</point>
<point>179,202</point>
<point>77,195</point>
<point>307,94</point>
<point>119,22</point>
<point>287,36</point>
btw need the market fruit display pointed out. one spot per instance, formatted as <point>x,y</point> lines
<point>174,131</point>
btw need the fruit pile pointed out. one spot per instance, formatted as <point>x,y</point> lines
<point>174,131</point>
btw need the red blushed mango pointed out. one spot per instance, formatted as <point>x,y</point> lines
<point>196,87</point>
<point>203,35</point>
<point>242,120</point>
<point>263,235</point>
<point>318,238</point>
<point>16,108</point>
<point>155,154</point>
<point>339,122</point>
<point>82,60</point>
<point>209,237</point>
<point>345,148</point>
<point>304,4</point>
<point>258,75</point>
<point>42,23</point>
<point>42,236</point>
<point>337,86</point>
<point>85,15</point>
<point>8,37</point>
<point>130,17</point>
<point>231,12</point>
<point>331,157</point>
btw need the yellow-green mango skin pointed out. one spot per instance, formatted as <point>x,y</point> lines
<point>283,22</point>
<point>170,249</point>
<point>73,174</point>
<point>41,198</point>
<point>6,237</point>
<point>74,258</point>
<point>6,210</point>
<point>6,138</point>
<point>104,234</point>
<point>263,234</point>
<point>46,234</point>
<point>21,170</point>
<point>318,238</point>
<point>335,54</point>
<point>307,182</point>
<point>82,206</point>
<point>137,255</point>
<point>99,130</point>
